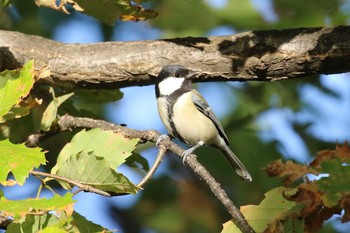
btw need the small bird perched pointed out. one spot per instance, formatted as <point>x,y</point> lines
<point>187,116</point>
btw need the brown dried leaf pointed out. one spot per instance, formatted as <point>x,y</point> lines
<point>345,204</point>
<point>44,72</point>
<point>52,4</point>
<point>322,156</point>
<point>341,151</point>
<point>314,212</point>
<point>309,195</point>
<point>107,11</point>
<point>289,170</point>
<point>9,183</point>
<point>321,199</point>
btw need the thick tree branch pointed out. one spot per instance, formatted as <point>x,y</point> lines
<point>255,55</point>
<point>67,122</point>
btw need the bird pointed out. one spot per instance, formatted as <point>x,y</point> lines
<point>187,116</point>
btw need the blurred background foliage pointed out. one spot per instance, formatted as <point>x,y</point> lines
<point>290,119</point>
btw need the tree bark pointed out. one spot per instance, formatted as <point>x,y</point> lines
<point>255,55</point>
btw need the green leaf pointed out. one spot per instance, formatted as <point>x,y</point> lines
<point>19,208</point>
<point>34,223</point>
<point>107,11</point>
<point>53,229</point>
<point>16,111</point>
<point>84,225</point>
<point>90,169</point>
<point>136,160</point>
<point>50,112</point>
<point>54,223</point>
<point>98,96</point>
<point>294,225</point>
<point>272,208</point>
<point>336,184</point>
<point>338,179</point>
<point>114,148</point>
<point>18,159</point>
<point>15,85</point>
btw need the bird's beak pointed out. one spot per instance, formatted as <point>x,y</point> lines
<point>192,74</point>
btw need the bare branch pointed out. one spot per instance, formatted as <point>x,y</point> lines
<point>256,55</point>
<point>68,122</point>
<point>161,152</point>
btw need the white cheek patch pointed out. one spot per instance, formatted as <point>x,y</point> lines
<point>170,85</point>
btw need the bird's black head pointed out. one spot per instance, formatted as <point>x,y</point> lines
<point>176,71</point>
<point>173,78</point>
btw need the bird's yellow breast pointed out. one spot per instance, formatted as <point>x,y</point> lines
<point>192,125</point>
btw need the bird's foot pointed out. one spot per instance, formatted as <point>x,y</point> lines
<point>189,151</point>
<point>161,138</point>
<point>185,155</point>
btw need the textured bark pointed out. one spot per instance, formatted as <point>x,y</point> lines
<point>255,55</point>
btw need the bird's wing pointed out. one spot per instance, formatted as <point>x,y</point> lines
<point>203,106</point>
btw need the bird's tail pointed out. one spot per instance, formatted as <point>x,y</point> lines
<point>236,163</point>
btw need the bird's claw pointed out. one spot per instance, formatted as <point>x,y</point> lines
<point>161,138</point>
<point>186,154</point>
<point>189,151</point>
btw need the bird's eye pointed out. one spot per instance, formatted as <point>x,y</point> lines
<point>177,75</point>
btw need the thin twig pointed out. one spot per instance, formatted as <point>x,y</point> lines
<point>67,122</point>
<point>161,152</point>
<point>77,191</point>
<point>84,187</point>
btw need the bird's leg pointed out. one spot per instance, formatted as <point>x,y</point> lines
<point>189,151</point>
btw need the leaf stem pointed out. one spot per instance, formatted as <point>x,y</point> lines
<point>83,187</point>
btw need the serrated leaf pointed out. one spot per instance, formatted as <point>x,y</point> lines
<point>272,208</point>
<point>336,183</point>
<point>32,223</point>
<point>107,11</point>
<point>114,148</point>
<point>19,208</point>
<point>18,159</point>
<point>289,170</point>
<point>87,168</point>
<point>338,179</point>
<point>15,85</point>
<point>54,223</point>
<point>50,112</point>
<point>84,225</point>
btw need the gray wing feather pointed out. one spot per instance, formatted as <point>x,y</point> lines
<point>203,106</point>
